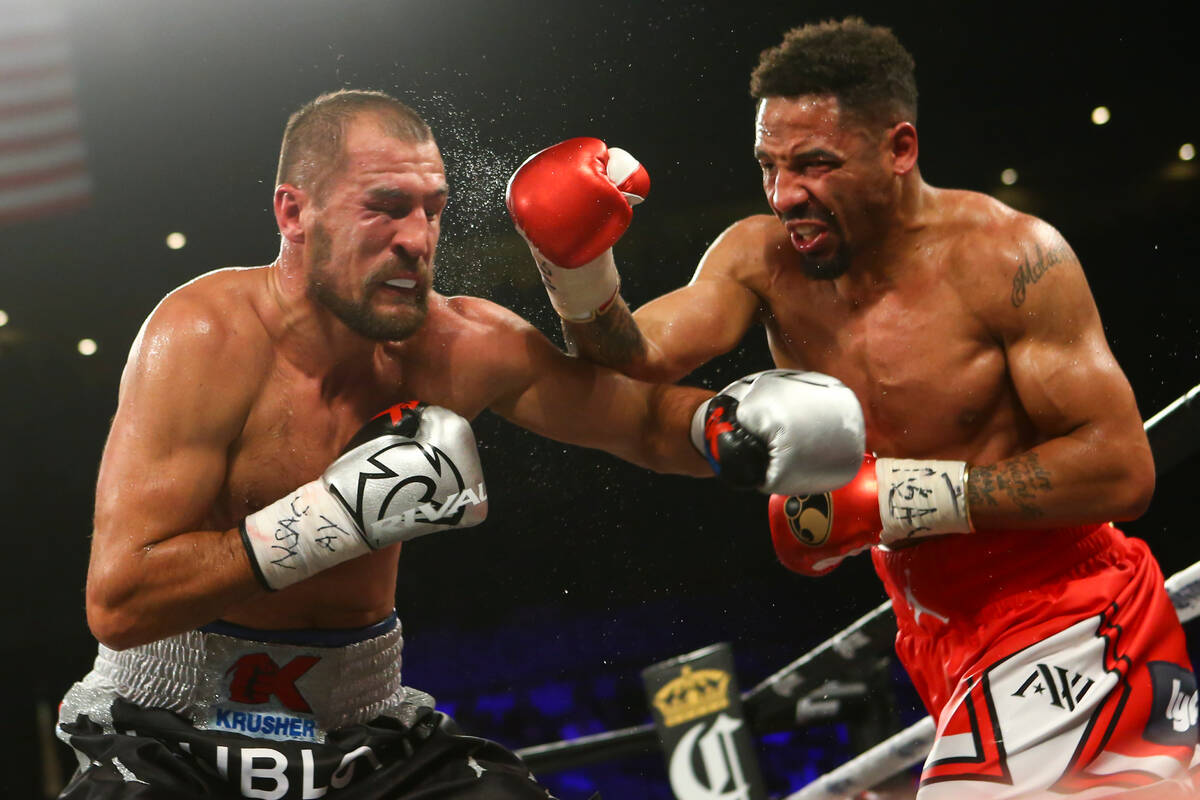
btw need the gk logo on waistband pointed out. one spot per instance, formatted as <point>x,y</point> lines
<point>256,678</point>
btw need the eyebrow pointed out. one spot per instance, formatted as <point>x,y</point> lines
<point>383,194</point>
<point>812,154</point>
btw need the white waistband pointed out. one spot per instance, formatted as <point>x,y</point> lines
<point>219,681</point>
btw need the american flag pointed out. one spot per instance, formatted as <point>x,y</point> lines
<point>43,168</point>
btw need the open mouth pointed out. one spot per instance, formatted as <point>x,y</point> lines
<point>401,283</point>
<point>807,236</point>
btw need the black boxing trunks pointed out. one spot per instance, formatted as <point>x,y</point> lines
<point>1052,662</point>
<point>232,712</point>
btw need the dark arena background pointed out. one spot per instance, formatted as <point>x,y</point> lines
<point>535,627</point>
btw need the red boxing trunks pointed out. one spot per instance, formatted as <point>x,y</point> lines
<point>1052,662</point>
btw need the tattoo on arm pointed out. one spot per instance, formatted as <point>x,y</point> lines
<point>1035,265</point>
<point>613,338</point>
<point>1022,478</point>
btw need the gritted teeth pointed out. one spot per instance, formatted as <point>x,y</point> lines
<point>402,283</point>
<point>806,231</point>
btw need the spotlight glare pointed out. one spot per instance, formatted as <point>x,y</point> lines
<point>176,240</point>
<point>87,347</point>
<point>1008,177</point>
<point>1187,152</point>
<point>3,318</point>
<point>1100,115</point>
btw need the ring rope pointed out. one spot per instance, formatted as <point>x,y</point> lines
<point>1174,435</point>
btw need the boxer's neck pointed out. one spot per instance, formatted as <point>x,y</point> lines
<point>307,334</point>
<point>879,263</point>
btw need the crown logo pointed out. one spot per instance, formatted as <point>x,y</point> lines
<point>692,695</point>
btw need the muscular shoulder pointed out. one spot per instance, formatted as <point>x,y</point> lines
<point>986,237</point>
<point>745,250</point>
<point>210,325</point>
<point>481,332</point>
<point>497,353</point>
<point>483,315</point>
<point>1006,261</point>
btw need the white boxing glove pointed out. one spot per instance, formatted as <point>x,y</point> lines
<point>412,470</point>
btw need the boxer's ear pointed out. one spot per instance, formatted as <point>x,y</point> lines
<point>902,147</point>
<point>289,202</point>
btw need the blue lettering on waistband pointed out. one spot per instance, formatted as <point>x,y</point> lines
<point>266,726</point>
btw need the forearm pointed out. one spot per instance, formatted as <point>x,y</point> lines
<point>1077,479</point>
<point>666,444</point>
<point>615,340</point>
<point>167,587</point>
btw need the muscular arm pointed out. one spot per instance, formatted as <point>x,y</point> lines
<point>1094,462</point>
<point>574,401</point>
<point>674,334</point>
<point>156,567</point>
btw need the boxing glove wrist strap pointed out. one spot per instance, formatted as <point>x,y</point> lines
<point>300,534</point>
<point>921,498</point>
<point>583,293</point>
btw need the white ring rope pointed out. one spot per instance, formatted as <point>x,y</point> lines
<point>911,745</point>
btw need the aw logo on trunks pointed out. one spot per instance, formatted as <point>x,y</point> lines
<point>256,678</point>
<point>1174,713</point>
<point>1058,686</point>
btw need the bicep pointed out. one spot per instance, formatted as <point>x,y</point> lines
<point>165,460</point>
<point>1059,361</point>
<point>578,402</point>
<point>698,322</point>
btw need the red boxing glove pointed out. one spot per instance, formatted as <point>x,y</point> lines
<point>813,533</point>
<point>890,501</point>
<point>572,202</point>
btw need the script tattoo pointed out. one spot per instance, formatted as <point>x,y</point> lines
<point>1022,478</point>
<point>1031,270</point>
<point>613,338</point>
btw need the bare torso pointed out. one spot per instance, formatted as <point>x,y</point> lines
<point>918,351</point>
<point>298,423</point>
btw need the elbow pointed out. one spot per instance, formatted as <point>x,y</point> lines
<point>656,372</point>
<point>1136,488</point>
<point>110,617</point>
<point>111,628</point>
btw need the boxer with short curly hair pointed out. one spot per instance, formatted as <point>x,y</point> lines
<point>1004,435</point>
<point>865,67</point>
<point>252,501</point>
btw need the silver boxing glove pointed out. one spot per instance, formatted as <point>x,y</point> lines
<point>783,431</point>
